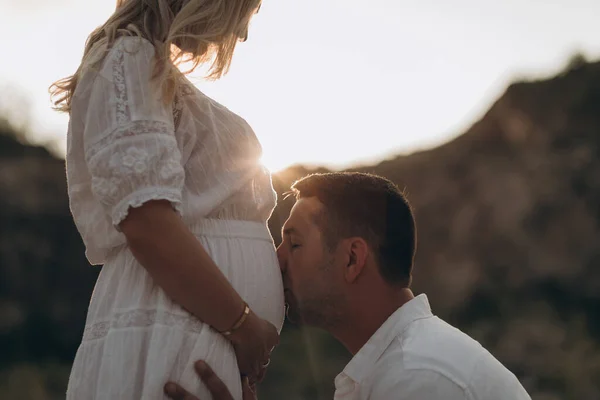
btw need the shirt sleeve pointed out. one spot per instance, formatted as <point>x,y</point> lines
<point>129,138</point>
<point>416,384</point>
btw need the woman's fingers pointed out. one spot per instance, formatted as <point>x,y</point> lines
<point>248,390</point>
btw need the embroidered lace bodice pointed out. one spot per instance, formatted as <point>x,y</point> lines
<point>126,147</point>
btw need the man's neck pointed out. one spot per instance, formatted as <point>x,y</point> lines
<point>367,316</point>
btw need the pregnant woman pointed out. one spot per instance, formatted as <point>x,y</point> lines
<point>168,193</point>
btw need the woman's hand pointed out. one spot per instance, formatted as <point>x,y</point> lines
<point>253,343</point>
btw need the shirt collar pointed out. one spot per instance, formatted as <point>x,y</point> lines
<point>364,361</point>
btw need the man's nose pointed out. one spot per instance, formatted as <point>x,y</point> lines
<point>281,258</point>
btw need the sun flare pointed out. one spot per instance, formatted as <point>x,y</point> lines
<point>275,162</point>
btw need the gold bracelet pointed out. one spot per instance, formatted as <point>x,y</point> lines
<point>240,321</point>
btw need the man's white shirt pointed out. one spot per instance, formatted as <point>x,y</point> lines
<point>415,355</point>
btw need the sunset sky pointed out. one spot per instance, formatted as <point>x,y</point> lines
<point>332,82</point>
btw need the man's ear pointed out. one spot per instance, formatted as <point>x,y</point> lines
<point>358,251</point>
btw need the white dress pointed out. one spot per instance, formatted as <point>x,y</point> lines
<point>125,147</point>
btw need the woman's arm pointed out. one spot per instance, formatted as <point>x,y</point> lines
<point>180,265</point>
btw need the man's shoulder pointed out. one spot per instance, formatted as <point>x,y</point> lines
<point>424,355</point>
<point>431,350</point>
<point>393,380</point>
<point>431,343</point>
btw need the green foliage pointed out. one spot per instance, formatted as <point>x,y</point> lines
<point>43,381</point>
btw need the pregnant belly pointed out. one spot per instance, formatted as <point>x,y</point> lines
<point>245,253</point>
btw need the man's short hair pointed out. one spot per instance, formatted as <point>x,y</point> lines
<point>367,206</point>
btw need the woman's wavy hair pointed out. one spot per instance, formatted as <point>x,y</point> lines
<point>181,31</point>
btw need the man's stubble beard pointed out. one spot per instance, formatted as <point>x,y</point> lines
<point>326,306</point>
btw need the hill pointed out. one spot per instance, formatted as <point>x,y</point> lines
<point>508,216</point>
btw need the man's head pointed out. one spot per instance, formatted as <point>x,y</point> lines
<point>346,230</point>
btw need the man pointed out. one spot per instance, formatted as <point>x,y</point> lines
<point>346,258</point>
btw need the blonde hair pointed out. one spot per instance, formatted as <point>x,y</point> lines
<point>197,31</point>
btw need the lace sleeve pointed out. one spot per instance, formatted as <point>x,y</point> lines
<point>130,145</point>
